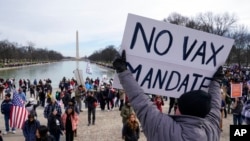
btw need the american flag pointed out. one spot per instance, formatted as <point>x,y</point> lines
<point>18,113</point>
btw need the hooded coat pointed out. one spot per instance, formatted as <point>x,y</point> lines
<point>162,127</point>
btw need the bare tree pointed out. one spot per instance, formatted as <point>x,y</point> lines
<point>242,39</point>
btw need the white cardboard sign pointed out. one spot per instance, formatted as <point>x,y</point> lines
<point>168,59</point>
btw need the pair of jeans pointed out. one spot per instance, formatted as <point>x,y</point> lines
<point>7,125</point>
<point>91,111</point>
<point>79,104</point>
<point>237,119</point>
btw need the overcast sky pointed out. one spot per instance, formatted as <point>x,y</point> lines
<point>52,24</point>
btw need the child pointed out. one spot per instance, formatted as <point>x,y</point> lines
<point>131,129</point>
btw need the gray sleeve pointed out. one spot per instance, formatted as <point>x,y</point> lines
<point>215,114</point>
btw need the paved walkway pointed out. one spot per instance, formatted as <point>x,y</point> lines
<point>107,128</point>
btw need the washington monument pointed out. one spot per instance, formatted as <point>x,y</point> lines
<point>77,46</point>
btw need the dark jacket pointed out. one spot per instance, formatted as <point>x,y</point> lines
<point>6,107</point>
<point>29,130</point>
<point>90,101</point>
<point>55,124</point>
<point>66,99</point>
<point>162,127</point>
<point>131,135</point>
<point>46,138</point>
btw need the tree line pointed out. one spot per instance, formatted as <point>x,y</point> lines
<point>11,53</point>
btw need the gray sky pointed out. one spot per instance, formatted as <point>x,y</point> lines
<point>52,24</point>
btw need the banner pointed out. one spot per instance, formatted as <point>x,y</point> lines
<point>168,59</point>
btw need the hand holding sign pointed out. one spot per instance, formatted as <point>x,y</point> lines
<point>120,63</point>
<point>218,75</point>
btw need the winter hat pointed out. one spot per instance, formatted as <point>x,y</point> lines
<point>8,95</point>
<point>195,103</point>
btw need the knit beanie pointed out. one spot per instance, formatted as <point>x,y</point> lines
<point>195,103</point>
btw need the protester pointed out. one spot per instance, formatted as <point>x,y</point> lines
<point>5,110</point>
<point>159,102</point>
<point>201,110</point>
<point>131,130</point>
<point>171,104</point>
<point>67,97</point>
<point>246,112</point>
<point>110,97</point>
<point>236,111</point>
<point>72,103</point>
<point>78,96</point>
<point>125,112</point>
<point>92,103</point>
<point>53,105</point>
<point>102,97</point>
<point>31,106</point>
<point>121,97</point>
<point>30,127</point>
<point>42,134</point>
<point>55,125</point>
<point>32,90</point>
<point>21,94</point>
<point>1,90</point>
<point>70,122</point>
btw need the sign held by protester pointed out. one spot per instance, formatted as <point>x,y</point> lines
<point>168,59</point>
<point>236,90</point>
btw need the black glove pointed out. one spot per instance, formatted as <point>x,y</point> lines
<point>218,75</point>
<point>120,63</point>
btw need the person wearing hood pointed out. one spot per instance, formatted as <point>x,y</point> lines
<point>30,127</point>
<point>55,125</point>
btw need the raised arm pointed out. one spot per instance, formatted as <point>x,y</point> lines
<point>214,90</point>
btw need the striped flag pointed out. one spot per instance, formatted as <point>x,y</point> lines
<point>18,113</point>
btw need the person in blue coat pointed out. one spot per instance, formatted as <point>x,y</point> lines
<point>30,127</point>
<point>5,110</point>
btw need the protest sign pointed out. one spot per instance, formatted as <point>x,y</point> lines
<point>236,90</point>
<point>168,59</point>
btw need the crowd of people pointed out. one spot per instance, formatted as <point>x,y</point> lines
<point>63,106</point>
